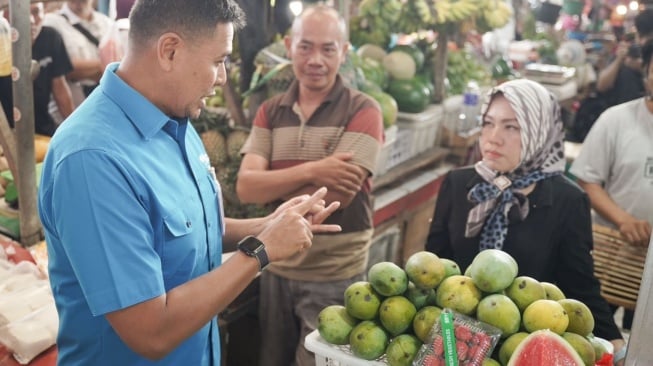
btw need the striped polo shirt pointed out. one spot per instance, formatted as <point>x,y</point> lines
<point>346,121</point>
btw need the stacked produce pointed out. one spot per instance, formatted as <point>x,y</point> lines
<point>404,72</point>
<point>462,68</point>
<point>377,20</point>
<point>223,141</point>
<point>399,72</point>
<point>397,311</point>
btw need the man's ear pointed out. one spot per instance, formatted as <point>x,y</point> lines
<point>287,41</point>
<point>345,49</point>
<point>167,48</point>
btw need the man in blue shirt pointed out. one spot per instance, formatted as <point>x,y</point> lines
<point>132,210</point>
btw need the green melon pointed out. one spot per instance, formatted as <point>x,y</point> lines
<point>371,51</point>
<point>413,51</point>
<point>374,72</point>
<point>388,106</point>
<point>411,95</point>
<point>400,65</point>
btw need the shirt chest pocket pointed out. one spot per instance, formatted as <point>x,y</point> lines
<point>181,247</point>
<point>177,224</point>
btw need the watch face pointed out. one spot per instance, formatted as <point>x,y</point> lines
<point>250,244</point>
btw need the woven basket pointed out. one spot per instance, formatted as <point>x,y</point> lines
<point>618,265</point>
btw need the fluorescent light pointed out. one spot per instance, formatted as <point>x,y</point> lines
<point>621,9</point>
<point>296,7</point>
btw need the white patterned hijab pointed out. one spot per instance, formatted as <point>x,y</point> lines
<point>542,130</point>
<point>542,155</point>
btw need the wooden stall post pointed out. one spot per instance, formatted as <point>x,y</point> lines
<point>20,143</point>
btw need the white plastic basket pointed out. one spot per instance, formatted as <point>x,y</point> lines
<point>424,127</point>
<point>327,354</point>
<point>402,149</point>
<point>386,150</point>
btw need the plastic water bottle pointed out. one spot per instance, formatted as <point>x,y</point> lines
<point>5,47</point>
<point>471,108</point>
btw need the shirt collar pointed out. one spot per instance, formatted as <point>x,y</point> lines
<point>292,95</point>
<point>147,118</point>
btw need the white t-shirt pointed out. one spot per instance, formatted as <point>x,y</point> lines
<point>618,154</point>
<point>77,45</point>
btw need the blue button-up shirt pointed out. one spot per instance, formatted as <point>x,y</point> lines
<point>131,209</point>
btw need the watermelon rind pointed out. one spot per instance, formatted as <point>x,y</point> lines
<point>544,348</point>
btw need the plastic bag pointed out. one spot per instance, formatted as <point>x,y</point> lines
<point>27,337</point>
<point>24,301</point>
<point>457,340</point>
<point>18,276</point>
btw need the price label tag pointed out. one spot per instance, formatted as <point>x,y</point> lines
<point>448,339</point>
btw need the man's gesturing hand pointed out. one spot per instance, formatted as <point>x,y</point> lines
<point>292,225</point>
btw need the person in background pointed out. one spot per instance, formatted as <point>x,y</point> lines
<point>132,210</point>
<point>123,7</point>
<point>517,199</point>
<point>621,80</point>
<point>82,29</point>
<point>615,167</point>
<point>49,51</point>
<point>52,6</point>
<point>318,133</point>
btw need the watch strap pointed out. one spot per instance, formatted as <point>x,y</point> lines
<point>262,257</point>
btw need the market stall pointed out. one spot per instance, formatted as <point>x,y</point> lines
<point>417,60</point>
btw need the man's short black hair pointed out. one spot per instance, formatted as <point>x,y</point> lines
<point>644,23</point>
<point>189,18</point>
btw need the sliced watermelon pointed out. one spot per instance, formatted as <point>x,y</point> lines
<point>544,348</point>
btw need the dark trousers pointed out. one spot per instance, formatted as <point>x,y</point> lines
<point>627,321</point>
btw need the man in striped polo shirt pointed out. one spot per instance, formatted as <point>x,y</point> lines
<point>319,133</point>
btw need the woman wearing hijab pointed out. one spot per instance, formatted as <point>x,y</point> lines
<point>517,199</point>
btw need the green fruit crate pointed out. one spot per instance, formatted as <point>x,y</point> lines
<point>327,354</point>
